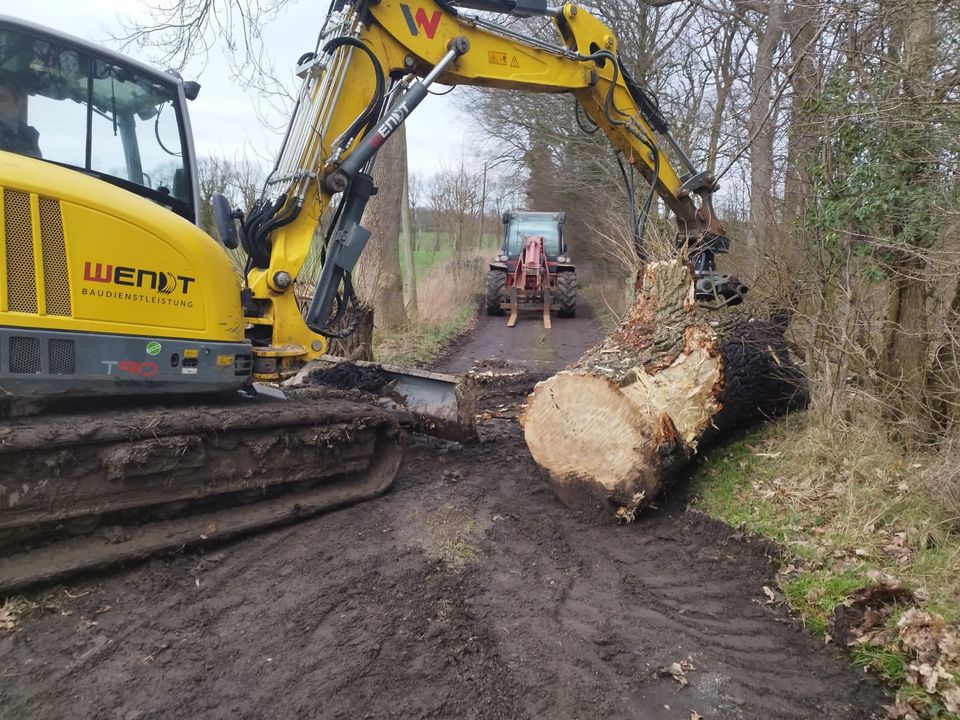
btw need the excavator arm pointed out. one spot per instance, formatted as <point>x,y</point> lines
<point>372,67</point>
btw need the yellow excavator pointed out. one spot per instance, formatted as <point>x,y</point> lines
<point>136,363</point>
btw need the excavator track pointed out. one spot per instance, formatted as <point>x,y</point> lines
<point>84,491</point>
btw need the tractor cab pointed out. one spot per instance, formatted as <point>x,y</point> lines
<point>71,103</point>
<point>521,224</point>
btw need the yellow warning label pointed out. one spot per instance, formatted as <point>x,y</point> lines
<point>224,360</point>
<point>514,63</point>
<point>190,354</point>
<point>497,58</point>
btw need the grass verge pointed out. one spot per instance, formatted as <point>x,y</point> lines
<point>421,343</point>
<point>446,305</point>
<point>852,512</point>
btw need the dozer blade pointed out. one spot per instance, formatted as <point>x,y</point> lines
<point>428,402</point>
<point>84,491</point>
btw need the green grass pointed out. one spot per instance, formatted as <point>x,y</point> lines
<point>425,257</point>
<point>418,345</point>
<point>815,594</point>
<point>723,482</point>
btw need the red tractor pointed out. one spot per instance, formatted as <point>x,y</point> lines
<point>532,271</point>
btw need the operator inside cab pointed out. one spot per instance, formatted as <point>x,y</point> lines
<point>15,135</point>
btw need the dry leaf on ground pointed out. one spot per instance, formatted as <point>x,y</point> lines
<point>934,647</point>
<point>678,672</point>
<point>8,621</point>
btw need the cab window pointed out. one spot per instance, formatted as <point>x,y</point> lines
<point>90,113</point>
<point>526,227</point>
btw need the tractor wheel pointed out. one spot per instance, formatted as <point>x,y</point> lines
<point>567,294</point>
<point>496,284</point>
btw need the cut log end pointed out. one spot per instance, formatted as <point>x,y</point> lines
<point>583,429</point>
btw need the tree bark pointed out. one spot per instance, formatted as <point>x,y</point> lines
<point>378,270</point>
<point>762,129</point>
<point>620,424</point>
<point>407,244</point>
<point>907,352</point>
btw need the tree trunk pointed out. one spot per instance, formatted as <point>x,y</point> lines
<point>623,421</point>
<point>944,386</point>
<point>762,129</point>
<point>380,282</point>
<point>408,246</point>
<point>908,347</point>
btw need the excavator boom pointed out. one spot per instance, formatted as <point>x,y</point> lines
<point>372,67</point>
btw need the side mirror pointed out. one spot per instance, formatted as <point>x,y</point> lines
<point>505,218</point>
<point>191,89</point>
<point>223,218</point>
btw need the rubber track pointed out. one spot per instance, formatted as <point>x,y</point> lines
<point>148,481</point>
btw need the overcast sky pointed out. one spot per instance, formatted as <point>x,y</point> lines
<point>224,118</point>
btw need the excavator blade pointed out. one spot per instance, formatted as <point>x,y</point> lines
<point>84,491</point>
<point>427,402</point>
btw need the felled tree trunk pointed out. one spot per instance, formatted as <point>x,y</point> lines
<point>624,420</point>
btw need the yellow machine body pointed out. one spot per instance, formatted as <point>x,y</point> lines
<point>81,255</point>
<point>103,291</point>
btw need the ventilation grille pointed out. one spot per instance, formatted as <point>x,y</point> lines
<point>56,281</point>
<point>24,355</point>
<point>22,285</point>
<point>21,273</point>
<point>61,358</point>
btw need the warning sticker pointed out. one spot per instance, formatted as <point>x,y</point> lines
<point>497,58</point>
<point>514,63</point>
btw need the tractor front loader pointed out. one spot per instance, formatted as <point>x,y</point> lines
<point>532,283</point>
<point>532,271</point>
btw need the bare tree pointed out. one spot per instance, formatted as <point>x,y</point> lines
<point>454,197</point>
<point>415,198</point>
<point>407,243</point>
<point>239,179</point>
<point>185,30</point>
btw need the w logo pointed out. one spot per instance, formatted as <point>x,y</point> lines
<point>419,22</point>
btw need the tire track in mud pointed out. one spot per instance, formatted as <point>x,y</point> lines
<point>468,591</point>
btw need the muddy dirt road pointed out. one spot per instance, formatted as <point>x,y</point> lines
<point>526,345</point>
<point>468,591</point>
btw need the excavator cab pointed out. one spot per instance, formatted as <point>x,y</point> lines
<point>107,285</point>
<point>97,112</point>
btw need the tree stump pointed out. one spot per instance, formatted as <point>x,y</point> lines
<point>622,422</point>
